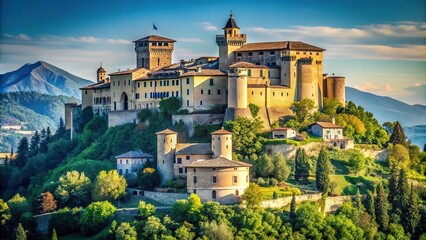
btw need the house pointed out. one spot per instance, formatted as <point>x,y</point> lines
<point>130,162</point>
<point>331,133</point>
<point>284,133</point>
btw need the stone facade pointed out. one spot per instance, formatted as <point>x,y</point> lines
<point>165,198</point>
<point>131,162</point>
<point>284,133</point>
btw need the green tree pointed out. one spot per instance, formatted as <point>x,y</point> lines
<point>65,221</point>
<point>281,170</point>
<point>403,192</point>
<point>22,153</point>
<point>330,106</point>
<point>214,231</point>
<point>370,206</point>
<point>96,216</point>
<point>246,138</point>
<point>5,214</point>
<point>302,167</point>
<point>185,232</point>
<point>34,145</point>
<point>109,186</point>
<point>86,116</point>
<point>21,234</point>
<point>399,156</point>
<point>54,236</point>
<point>145,210</point>
<point>412,216</point>
<point>252,196</point>
<point>293,206</point>
<point>170,106</point>
<point>398,135</point>
<point>358,199</point>
<point>194,207</point>
<point>309,221</point>
<point>356,163</point>
<point>18,206</point>
<point>254,109</point>
<point>396,231</point>
<point>61,128</point>
<point>74,189</point>
<point>144,115</point>
<point>323,171</point>
<point>153,228</point>
<point>303,110</point>
<point>125,231</point>
<point>264,166</point>
<point>381,207</point>
<point>148,178</point>
<point>46,203</point>
<point>389,126</point>
<point>393,187</point>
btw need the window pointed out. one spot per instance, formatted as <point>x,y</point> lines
<point>161,83</point>
<point>187,158</point>
<point>160,44</point>
<point>124,82</point>
<point>195,170</point>
<point>237,193</point>
<point>121,161</point>
<point>261,53</point>
<point>158,62</point>
<point>180,170</point>
<point>146,95</point>
<point>187,80</point>
<point>211,82</point>
<point>187,91</point>
<point>127,161</point>
<point>239,54</point>
<point>269,74</point>
<point>177,94</point>
<point>179,160</point>
<point>234,179</point>
<point>250,54</point>
<point>144,84</point>
<point>249,72</point>
<point>214,179</point>
<point>195,191</point>
<point>218,92</point>
<point>187,103</point>
<point>150,84</point>
<point>214,194</point>
<point>177,82</point>
<point>208,92</point>
<point>139,84</point>
<point>154,44</point>
<point>129,82</point>
<point>272,52</point>
<point>247,178</point>
<point>118,83</point>
<point>261,73</point>
<point>195,179</point>
<point>201,103</point>
<point>173,82</point>
<point>202,91</point>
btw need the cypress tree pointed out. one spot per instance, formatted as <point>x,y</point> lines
<point>358,200</point>
<point>398,135</point>
<point>293,207</point>
<point>21,233</point>
<point>302,165</point>
<point>35,144</point>
<point>323,171</point>
<point>22,152</point>
<point>412,217</point>
<point>369,205</point>
<point>403,192</point>
<point>61,128</point>
<point>393,187</point>
<point>54,236</point>
<point>381,203</point>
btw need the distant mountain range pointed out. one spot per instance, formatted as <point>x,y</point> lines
<point>42,77</point>
<point>386,109</point>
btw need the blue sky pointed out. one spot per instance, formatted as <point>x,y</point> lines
<point>380,46</point>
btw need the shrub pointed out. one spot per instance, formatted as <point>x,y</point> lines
<point>273,182</point>
<point>96,216</point>
<point>65,221</point>
<point>254,109</point>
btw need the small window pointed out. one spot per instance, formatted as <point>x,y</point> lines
<point>180,170</point>
<point>187,103</point>
<point>214,179</point>
<point>195,170</point>
<point>249,72</point>
<point>202,91</point>
<point>208,92</point>
<point>239,54</point>
<point>250,54</point>
<point>179,160</point>
<point>201,103</point>
<point>261,53</point>
<point>211,82</point>
<point>272,52</point>
<point>214,194</point>
<point>187,158</point>
<point>237,193</point>
<point>187,91</point>
<point>121,161</point>
<point>247,178</point>
<point>195,179</point>
<point>218,92</point>
<point>187,80</point>
<point>127,161</point>
<point>234,179</point>
<point>177,82</point>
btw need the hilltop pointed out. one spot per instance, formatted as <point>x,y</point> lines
<point>42,77</point>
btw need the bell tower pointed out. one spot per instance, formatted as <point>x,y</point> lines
<point>101,74</point>
<point>229,42</point>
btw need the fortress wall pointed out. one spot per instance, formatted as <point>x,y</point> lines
<point>241,92</point>
<point>305,81</point>
<point>191,120</point>
<point>165,198</point>
<point>339,89</point>
<point>280,97</point>
<point>116,118</point>
<point>257,96</point>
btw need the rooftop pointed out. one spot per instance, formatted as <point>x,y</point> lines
<point>278,46</point>
<point>326,124</point>
<point>129,71</point>
<point>97,86</point>
<point>221,132</point>
<point>218,162</point>
<point>231,23</point>
<point>134,154</point>
<point>204,72</point>
<point>246,65</point>
<point>166,132</point>
<point>282,129</point>
<point>155,38</point>
<point>194,148</point>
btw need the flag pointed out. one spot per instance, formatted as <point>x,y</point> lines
<point>154,27</point>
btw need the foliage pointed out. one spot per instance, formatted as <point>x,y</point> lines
<point>202,132</point>
<point>323,171</point>
<point>148,178</point>
<point>109,186</point>
<point>252,196</point>
<point>23,153</point>
<point>46,203</point>
<point>301,166</point>
<point>246,138</point>
<point>398,135</point>
<point>125,231</point>
<point>96,216</point>
<point>21,234</point>
<point>86,116</point>
<point>399,156</point>
<point>54,236</point>
<point>352,126</point>
<point>214,231</point>
<point>5,213</point>
<point>170,106</point>
<point>145,210</point>
<point>293,207</point>
<point>18,207</point>
<point>381,208</point>
<point>274,167</point>
<point>303,111</point>
<point>357,163</point>
<point>74,189</point>
<point>330,106</point>
<point>65,220</point>
<point>144,115</point>
<point>185,232</point>
<point>254,110</point>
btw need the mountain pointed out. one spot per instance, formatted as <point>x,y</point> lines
<point>42,77</point>
<point>386,109</point>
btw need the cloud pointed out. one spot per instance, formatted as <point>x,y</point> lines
<point>20,36</point>
<point>367,86</point>
<point>398,29</point>
<point>51,39</point>
<point>190,40</point>
<point>208,26</point>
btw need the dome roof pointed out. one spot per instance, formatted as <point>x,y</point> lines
<point>101,69</point>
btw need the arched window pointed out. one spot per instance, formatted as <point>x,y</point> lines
<point>214,194</point>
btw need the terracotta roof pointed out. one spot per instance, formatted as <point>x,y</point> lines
<point>221,132</point>
<point>194,148</point>
<point>278,46</point>
<point>218,162</point>
<point>205,72</point>
<point>326,124</point>
<point>101,69</point>
<point>134,154</point>
<point>256,85</point>
<point>231,23</point>
<point>96,86</point>
<point>282,129</point>
<point>155,38</point>
<point>166,132</point>
<point>125,72</point>
<point>246,65</point>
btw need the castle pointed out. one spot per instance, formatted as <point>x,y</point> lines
<point>271,75</point>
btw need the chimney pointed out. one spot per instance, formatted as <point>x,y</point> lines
<point>198,69</point>
<point>333,120</point>
<point>182,63</point>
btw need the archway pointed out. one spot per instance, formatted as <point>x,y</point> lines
<point>124,101</point>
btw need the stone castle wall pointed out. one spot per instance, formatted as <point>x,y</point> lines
<point>165,198</point>
<point>122,117</point>
<point>191,120</point>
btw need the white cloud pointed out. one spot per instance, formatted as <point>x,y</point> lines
<point>20,36</point>
<point>190,40</point>
<point>367,86</point>
<point>51,39</point>
<point>208,26</point>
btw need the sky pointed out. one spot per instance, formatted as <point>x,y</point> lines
<point>379,46</point>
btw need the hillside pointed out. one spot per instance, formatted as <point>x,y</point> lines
<point>386,109</point>
<point>42,77</point>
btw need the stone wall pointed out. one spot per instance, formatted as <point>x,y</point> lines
<point>116,118</point>
<point>42,223</point>
<point>165,198</point>
<point>191,120</point>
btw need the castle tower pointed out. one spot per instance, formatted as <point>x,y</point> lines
<point>307,81</point>
<point>166,147</point>
<point>222,144</point>
<point>334,87</point>
<point>100,75</point>
<point>237,87</point>
<point>228,42</point>
<point>153,52</point>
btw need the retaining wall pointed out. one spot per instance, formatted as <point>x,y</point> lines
<point>165,198</point>
<point>191,120</point>
<point>116,118</point>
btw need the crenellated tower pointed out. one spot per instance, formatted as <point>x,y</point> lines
<point>153,52</point>
<point>228,42</point>
<point>166,148</point>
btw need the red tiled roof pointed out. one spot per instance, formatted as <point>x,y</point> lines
<point>218,162</point>
<point>278,46</point>
<point>326,124</point>
<point>155,38</point>
<point>246,65</point>
<point>205,72</point>
<point>166,132</point>
<point>221,132</point>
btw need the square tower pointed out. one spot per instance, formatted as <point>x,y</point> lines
<point>153,52</point>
